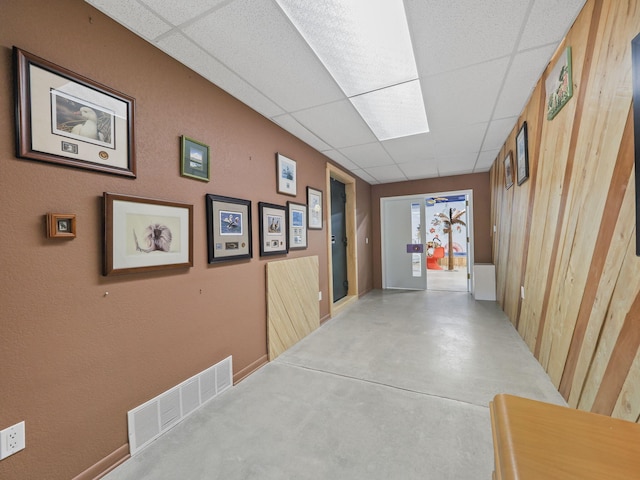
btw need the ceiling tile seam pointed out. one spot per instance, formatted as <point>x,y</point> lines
<point>504,79</point>
<point>180,27</point>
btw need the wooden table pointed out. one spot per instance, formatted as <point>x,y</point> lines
<point>538,441</point>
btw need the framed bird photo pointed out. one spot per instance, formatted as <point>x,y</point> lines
<point>228,228</point>
<point>273,229</point>
<point>67,119</point>
<point>144,234</point>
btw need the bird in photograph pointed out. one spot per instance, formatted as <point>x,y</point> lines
<point>88,128</point>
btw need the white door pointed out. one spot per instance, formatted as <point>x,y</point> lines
<point>402,222</point>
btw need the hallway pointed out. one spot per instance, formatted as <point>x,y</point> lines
<point>395,387</point>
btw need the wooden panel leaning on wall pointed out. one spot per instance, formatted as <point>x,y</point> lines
<point>293,311</point>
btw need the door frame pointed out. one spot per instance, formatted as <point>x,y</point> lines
<point>352,239</point>
<point>383,201</point>
<point>470,255</point>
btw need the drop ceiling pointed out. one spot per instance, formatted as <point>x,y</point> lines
<point>477,61</point>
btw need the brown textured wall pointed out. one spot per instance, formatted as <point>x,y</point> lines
<point>478,182</point>
<point>74,360</point>
<point>568,234</point>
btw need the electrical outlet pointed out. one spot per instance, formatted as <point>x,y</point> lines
<point>522,291</point>
<point>12,440</point>
<point>320,295</point>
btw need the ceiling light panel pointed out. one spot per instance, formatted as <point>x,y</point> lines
<point>393,112</point>
<point>365,44</point>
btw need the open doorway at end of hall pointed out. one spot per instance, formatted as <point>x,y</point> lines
<point>427,241</point>
<point>448,243</point>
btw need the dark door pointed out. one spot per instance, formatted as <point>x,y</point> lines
<point>339,240</point>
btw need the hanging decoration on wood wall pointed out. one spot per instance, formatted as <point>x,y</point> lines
<point>508,171</point>
<point>635,74</point>
<point>522,154</point>
<point>559,84</point>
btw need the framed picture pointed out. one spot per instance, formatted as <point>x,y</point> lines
<point>273,229</point>
<point>194,159</point>
<point>508,171</point>
<point>61,225</point>
<point>522,154</point>
<point>228,228</point>
<point>286,174</point>
<point>67,119</point>
<point>635,83</point>
<point>559,84</point>
<point>314,209</point>
<point>297,222</point>
<point>143,234</point>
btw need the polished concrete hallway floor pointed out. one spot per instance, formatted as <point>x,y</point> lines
<point>395,387</point>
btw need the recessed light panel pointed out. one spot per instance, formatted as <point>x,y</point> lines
<point>393,112</point>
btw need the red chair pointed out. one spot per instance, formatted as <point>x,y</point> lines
<point>432,260</point>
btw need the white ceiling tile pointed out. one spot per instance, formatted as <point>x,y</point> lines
<point>549,22</point>
<point>421,169</point>
<point>177,13</point>
<point>337,123</point>
<point>414,148</point>
<point>389,173</point>
<point>337,157</point>
<point>498,132</point>
<point>365,176</point>
<point>256,41</point>
<point>462,140</point>
<point>524,72</point>
<point>483,31</point>
<point>133,16</point>
<point>451,99</point>
<point>486,159</point>
<point>457,164</point>
<point>292,126</point>
<point>199,61</point>
<point>368,155</point>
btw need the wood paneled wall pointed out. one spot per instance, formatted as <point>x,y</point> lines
<point>568,233</point>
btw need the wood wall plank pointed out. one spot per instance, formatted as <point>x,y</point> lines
<point>575,253</point>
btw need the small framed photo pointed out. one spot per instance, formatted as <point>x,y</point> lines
<point>61,225</point>
<point>228,228</point>
<point>286,174</point>
<point>67,119</point>
<point>297,221</point>
<point>143,234</point>
<point>522,154</point>
<point>194,159</point>
<point>273,229</point>
<point>314,209</point>
<point>508,171</point>
<point>559,84</point>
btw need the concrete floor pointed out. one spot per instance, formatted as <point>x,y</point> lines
<point>397,386</point>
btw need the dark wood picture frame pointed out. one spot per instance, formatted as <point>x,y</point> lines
<point>145,234</point>
<point>228,228</point>
<point>522,154</point>
<point>67,119</point>
<point>273,229</point>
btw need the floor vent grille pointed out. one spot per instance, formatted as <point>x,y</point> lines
<point>151,419</point>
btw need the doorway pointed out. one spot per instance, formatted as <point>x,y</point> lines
<point>347,292</point>
<point>448,244</point>
<point>339,239</point>
<point>420,222</point>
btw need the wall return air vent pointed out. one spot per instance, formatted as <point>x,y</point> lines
<point>153,418</point>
